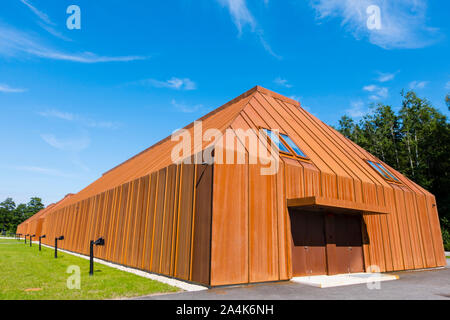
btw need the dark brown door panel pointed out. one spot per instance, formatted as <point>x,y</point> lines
<point>325,243</point>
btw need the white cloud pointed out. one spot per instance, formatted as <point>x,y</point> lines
<point>240,14</point>
<point>370,88</point>
<point>447,85</point>
<point>173,83</point>
<point>15,43</point>
<point>45,22</point>
<point>377,92</point>
<point>356,109</point>
<point>282,82</point>
<point>384,77</point>
<point>58,114</point>
<point>403,22</point>
<point>80,119</point>
<point>71,145</point>
<point>54,32</point>
<point>185,108</point>
<point>44,17</point>
<point>417,84</point>
<point>242,17</point>
<point>7,89</point>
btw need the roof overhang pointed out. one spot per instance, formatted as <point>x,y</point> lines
<point>335,206</point>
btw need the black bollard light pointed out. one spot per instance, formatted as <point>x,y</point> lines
<point>31,239</point>
<point>56,245</point>
<point>40,237</point>
<point>26,238</point>
<point>99,242</point>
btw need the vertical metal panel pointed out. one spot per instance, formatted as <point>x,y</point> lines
<point>175,225</point>
<point>121,215</point>
<point>134,233</point>
<point>263,226</point>
<point>141,221</point>
<point>436,231</point>
<point>414,230</point>
<point>374,247</point>
<point>158,221</point>
<point>129,225</point>
<point>284,226</point>
<point>202,221</point>
<point>405,240</point>
<point>312,180</point>
<point>149,222</point>
<point>104,228</point>
<point>183,252</point>
<point>430,260</point>
<point>385,232</point>
<point>294,179</point>
<point>229,252</point>
<point>168,219</point>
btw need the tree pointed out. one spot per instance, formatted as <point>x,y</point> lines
<point>7,208</point>
<point>11,215</point>
<point>34,206</point>
<point>415,141</point>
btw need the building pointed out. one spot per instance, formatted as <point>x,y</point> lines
<point>330,207</point>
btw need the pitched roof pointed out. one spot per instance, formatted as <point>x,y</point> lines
<point>331,153</point>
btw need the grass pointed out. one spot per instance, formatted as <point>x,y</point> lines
<point>26,273</point>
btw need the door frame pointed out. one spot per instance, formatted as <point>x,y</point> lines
<point>330,248</point>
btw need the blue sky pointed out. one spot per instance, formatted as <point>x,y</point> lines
<point>75,103</point>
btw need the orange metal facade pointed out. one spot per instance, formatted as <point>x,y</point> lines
<point>226,224</point>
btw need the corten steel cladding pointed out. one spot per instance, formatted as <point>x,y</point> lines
<point>228,224</point>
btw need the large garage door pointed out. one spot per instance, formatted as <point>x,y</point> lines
<point>325,243</point>
<point>348,236</point>
<point>308,247</point>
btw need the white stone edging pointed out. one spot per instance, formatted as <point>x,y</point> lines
<point>167,280</point>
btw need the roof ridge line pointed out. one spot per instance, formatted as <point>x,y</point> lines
<point>276,95</point>
<point>224,106</point>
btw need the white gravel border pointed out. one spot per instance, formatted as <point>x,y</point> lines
<point>170,281</point>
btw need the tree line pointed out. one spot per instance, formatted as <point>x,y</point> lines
<point>11,215</point>
<point>415,140</point>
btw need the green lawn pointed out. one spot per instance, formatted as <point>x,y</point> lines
<point>26,273</point>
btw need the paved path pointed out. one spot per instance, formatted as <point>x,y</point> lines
<point>414,285</point>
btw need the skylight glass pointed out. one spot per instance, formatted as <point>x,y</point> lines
<point>387,172</point>
<point>382,170</point>
<point>276,141</point>
<point>293,146</point>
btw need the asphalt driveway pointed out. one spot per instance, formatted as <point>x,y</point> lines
<point>412,285</point>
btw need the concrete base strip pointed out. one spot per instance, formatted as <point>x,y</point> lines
<point>170,281</point>
<point>325,281</point>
